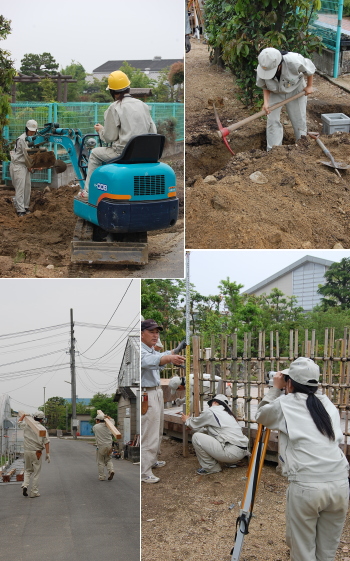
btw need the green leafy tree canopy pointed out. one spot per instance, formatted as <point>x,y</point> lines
<point>336,290</point>
<point>7,73</point>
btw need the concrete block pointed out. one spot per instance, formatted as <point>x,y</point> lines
<point>335,122</point>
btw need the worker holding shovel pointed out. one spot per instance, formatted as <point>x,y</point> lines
<point>309,453</point>
<point>33,448</point>
<point>20,169</point>
<point>281,75</point>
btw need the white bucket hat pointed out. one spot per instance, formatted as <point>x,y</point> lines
<point>269,59</point>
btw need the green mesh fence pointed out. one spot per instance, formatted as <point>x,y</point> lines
<point>326,22</point>
<point>81,116</point>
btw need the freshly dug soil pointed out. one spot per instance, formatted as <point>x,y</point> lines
<point>190,517</point>
<point>42,239</point>
<point>301,203</point>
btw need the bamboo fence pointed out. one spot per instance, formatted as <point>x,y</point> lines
<point>248,375</point>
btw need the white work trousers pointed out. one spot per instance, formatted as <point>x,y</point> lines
<point>97,157</point>
<point>152,424</point>
<point>210,451</point>
<point>20,177</point>
<point>104,459</point>
<point>32,467</point>
<point>296,112</point>
<point>315,516</point>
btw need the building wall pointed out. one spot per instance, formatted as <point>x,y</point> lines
<point>127,409</point>
<point>306,280</point>
<point>285,284</point>
<point>302,282</point>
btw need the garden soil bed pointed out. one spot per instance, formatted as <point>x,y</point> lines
<point>302,204</point>
<point>39,244</point>
<point>190,517</point>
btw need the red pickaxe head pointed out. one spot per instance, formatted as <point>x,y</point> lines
<point>223,131</point>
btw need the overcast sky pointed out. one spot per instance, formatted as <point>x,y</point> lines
<point>92,33</point>
<point>247,267</point>
<point>33,304</point>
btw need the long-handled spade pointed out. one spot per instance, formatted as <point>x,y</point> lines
<point>225,131</point>
<point>332,163</point>
<point>253,477</point>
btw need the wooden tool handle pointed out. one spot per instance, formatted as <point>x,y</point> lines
<point>262,112</point>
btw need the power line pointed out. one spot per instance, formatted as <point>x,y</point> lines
<point>110,318</point>
<point>40,330</point>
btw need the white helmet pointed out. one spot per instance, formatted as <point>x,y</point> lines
<point>100,417</point>
<point>31,125</point>
<point>38,415</point>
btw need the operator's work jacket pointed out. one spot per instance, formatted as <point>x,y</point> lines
<point>292,74</point>
<point>32,442</point>
<point>19,154</point>
<point>219,424</point>
<point>103,436</point>
<point>304,453</point>
<point>125,119</point>
<point>150,367</point>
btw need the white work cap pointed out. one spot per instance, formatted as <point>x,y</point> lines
<point>100,417</point>
<point>269,60</point>
<point>31,125</point>
<point>38,415</point>
<point>304,371</point>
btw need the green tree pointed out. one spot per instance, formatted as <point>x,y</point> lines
<point>55,411</point>
<point>161,91</point>
<point>336,290</point>
<point>176,79</point>
<point>106,404</point>
<point>162,300</point>
<point>7,73</point>
<point>75,91</point>
<point>138,79</point>
<point>240,29</point>
<point>35,64</point>
<point>48,90</point>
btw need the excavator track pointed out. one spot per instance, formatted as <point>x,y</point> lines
<point>132,250</point>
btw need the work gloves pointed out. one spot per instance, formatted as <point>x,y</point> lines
<point>47,459</point>
<point>179,348</point>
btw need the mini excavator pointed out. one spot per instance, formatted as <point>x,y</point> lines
<point>128,196</point>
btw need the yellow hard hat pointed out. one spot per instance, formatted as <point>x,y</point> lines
<point>118,81</point>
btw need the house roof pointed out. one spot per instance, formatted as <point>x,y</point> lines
<point>127,392</point>
<point>154,65</point>
<point>292,267</point>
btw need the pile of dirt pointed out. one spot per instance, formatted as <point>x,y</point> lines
<point>186,516</point>
<point>301,204</point>
<point>39,244</point>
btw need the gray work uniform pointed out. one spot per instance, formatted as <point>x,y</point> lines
<point>104,449</point>
<point>33,447</point>
<point>152,421</point>
<point>291,82</point>
<point>122,120</point>
<point>318,493</point>
<point>20,174</point>
<point>222,441</point>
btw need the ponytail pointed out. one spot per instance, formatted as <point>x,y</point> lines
<point>316,409</point>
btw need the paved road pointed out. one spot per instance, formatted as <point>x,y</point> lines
<point>77,517</point>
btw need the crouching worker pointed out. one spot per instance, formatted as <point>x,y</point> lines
<point>125,117</point>
<point>218,437</point>
<point>19,170</point>
<point>33,449</point>
<point>317,470</point>
<point>104,447</point>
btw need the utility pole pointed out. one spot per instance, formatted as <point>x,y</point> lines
<point>44,403</point>
<point>72,370</point>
